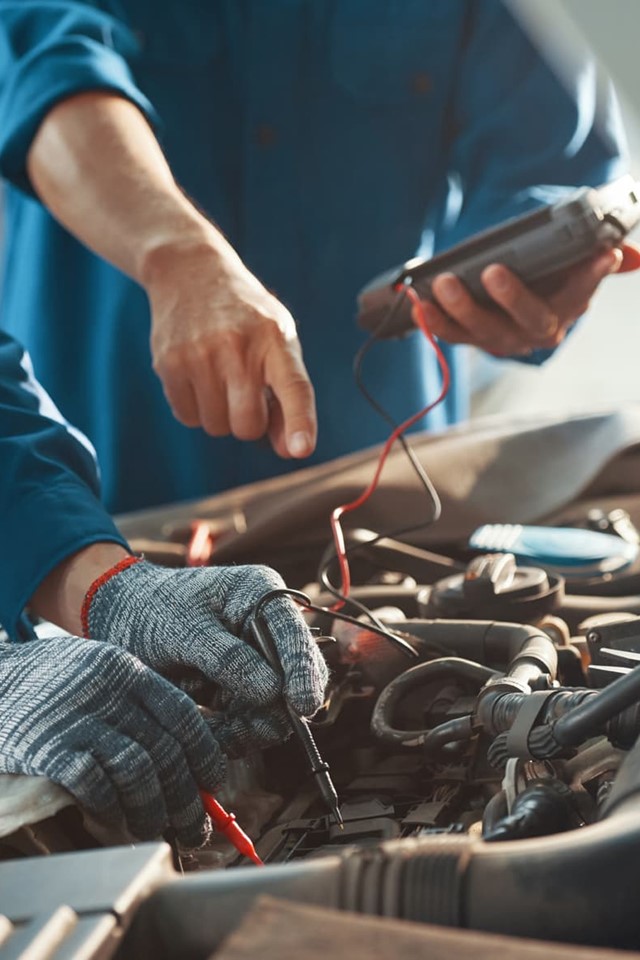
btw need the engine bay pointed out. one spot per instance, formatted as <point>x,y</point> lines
<point>419,745</point>
<point>479,725</point>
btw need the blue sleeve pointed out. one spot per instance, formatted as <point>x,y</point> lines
<point>49,505</point>
<point>520,135</point>
<point>51,50</point>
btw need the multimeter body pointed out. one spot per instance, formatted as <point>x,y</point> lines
<point>538,247</point>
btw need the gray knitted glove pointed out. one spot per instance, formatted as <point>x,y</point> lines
<point>121,739</point>
<point>240,731</point>
<point>196,622</point>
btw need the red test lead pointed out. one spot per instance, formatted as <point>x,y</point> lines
<point>420,321</point>
<point>226,824</point>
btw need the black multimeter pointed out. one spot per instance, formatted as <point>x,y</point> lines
<point>538,247</point>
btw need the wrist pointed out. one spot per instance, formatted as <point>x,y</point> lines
<point>189,248</point>
<point>61,595</point>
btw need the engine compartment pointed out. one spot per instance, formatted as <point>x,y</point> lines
<point>480,725</point>
<point>490,782</point>
<point>419,747</point>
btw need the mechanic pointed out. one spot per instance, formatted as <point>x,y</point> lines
<point>321,142</point>
<point>108,718</point>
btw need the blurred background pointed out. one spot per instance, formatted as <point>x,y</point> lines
<point>599,365</point>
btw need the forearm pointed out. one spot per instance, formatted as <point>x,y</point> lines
<point>219,339</point>
<point>60,596</point>
<point>98,167</point>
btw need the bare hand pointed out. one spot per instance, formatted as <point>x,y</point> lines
<point>521,321</point>
<point>227,352</point>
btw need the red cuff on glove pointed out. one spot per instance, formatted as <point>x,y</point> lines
<point>99,582</point>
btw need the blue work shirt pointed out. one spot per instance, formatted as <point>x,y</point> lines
<point>49,499</point>
<point>329,140</point>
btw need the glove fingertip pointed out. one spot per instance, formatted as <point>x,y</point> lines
<point>305,700</point>
<point>305,686</point>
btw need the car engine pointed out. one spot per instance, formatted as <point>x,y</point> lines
<point>480,726</point>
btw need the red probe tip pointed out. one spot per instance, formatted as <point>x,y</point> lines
<point>226,824</point>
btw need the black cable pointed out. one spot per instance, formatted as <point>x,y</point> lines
<point>305,602</point>
<point>386,416</point>
<point>457,730</point>
<point>465,672</point>
<point>589,718</point>
<point>323,573</point>
<point>323,576</point>
<point>419,470</point>
<point>393,638</point>
<point>266,644</point>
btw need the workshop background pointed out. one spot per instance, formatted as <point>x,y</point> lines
<point>598,365</point>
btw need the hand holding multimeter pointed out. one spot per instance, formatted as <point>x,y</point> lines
<point>518,286</point>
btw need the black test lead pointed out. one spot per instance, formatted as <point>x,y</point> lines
<point>319,767</point>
